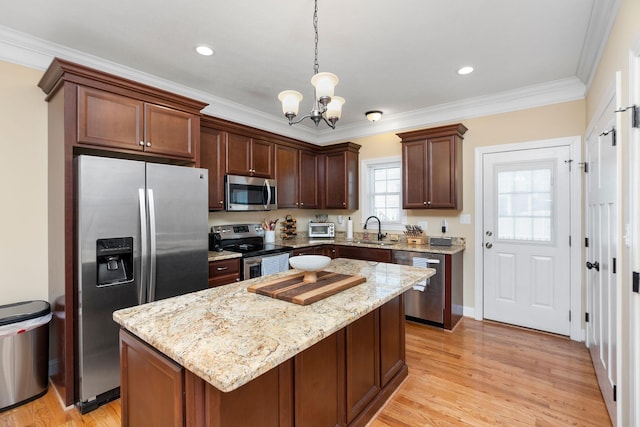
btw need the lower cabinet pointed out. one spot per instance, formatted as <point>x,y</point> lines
<point>366,254</point>
<point>326,250</point>
<point>224,272</point>
<point>342,380</point>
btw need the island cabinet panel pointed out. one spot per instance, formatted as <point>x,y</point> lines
<point>319,384</point>
<point>224,271</point>
<point>392,344</point>
<point>213,157</point>
<point>365,254</point>
<point>113,121</point>
<point>363,360</point>
<point>432,168</point>
<point>152,386</point>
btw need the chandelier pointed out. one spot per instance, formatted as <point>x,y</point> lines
<point>326,107</point>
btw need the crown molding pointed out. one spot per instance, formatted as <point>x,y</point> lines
<point>37,53</point>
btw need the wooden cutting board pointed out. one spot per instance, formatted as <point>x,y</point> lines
<point>293,289</point>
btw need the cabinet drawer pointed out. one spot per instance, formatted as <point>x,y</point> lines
<point>224,272</point>
<point>365,254</point>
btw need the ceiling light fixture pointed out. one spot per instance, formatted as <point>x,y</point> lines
<point>465,70</point>
<point>374,115</point>
<point>204,50</point>
<point>325,106</point>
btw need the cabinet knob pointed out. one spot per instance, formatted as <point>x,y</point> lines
<point>142,143</point>
<point>221,202</point>
<point>344,203</point>
<point>301,203</point>
<point>223,268</point>
<point>148,144</point>
<point>429,202</point>
<point>424,203</point>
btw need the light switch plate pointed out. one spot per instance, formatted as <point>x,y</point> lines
<point>465,219</point>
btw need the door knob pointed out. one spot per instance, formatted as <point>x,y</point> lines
<point>595,265</point>
<point>488,245</point>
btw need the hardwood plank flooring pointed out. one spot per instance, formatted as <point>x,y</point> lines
<point>481,374</point>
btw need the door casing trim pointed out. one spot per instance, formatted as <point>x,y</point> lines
<point>576,249</point>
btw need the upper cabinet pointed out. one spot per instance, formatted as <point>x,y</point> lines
<point>341,176</point>
<point>111,121</point>
<point>297,177</point>
<point>432,168</point>
<point>250,156</point>
<point>213,156</point>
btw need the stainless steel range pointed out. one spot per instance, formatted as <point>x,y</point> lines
<point>258,258</point>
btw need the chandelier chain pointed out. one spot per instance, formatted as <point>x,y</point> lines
<point>316,67</point>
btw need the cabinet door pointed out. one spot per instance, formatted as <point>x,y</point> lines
<point>319,384</point>
<point>414,193</point>
<point>392,350</point>
<point>238,154</point>
<point>170,132</point>
<point>329,250</point>
<point>441,174</point>
<point>109,120</point>
<point>224,272</point>
<point>287,176</point>
<point>308,181</point>
<point>365,254</point>
<point>213,156</point>
<point>362,365</point>
<point>262,156</point>
<point>144,369</point>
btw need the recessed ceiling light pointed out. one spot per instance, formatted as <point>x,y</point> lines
<point>204,50</point>
<point>465,70</point>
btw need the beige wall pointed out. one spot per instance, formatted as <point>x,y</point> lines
<point>23,185</point>
<point>553,121</point>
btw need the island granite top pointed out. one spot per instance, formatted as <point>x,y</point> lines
<point>229,336</point>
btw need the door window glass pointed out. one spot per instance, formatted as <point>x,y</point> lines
<point>525,204</point>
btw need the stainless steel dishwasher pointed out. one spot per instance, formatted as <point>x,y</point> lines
<point>425,306</point>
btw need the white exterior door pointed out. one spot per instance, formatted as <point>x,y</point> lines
<point>526,238</point>
<point>602,252</point>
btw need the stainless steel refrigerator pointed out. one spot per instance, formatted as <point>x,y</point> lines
<point>142,236</point>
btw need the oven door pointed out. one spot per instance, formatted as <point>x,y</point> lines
<point>245,193</point>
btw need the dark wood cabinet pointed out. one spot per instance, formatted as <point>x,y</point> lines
<point>224,271</point>
<point>341,176</point>
<point>152,385</point>
<point>249,156</point>
<point>111,121</point>
<point>392,344</point>
<point>318,384</point>
<point>363,363</point>
<point>213,156</point>
<point>342,380</point>
<point>432,168</point>
<point>297,177</point>
<point>366,254</point>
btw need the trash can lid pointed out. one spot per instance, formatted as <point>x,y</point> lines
<point>20,311</point>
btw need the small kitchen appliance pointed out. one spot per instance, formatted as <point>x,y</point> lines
<point>322,229</point>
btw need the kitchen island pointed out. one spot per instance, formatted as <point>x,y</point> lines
<point>225,356</point>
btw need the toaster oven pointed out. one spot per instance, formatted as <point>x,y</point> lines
<point>322,229</point>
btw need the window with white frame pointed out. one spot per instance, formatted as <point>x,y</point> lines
<point>381,185</point>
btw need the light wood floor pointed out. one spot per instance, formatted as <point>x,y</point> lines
<point>482,374</point>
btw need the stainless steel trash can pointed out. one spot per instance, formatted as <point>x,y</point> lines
<point>24,352</point>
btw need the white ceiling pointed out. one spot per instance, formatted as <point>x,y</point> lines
<point>400,57</point>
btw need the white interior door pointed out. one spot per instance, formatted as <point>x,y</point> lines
<point>526,240</point>
<point>602,252</point>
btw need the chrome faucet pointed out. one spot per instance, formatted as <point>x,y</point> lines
<point>380,235</point>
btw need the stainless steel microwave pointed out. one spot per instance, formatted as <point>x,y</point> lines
<point>248,193</point>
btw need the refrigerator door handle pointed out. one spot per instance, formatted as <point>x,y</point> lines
<point>152,241</point>
<point>143,246</point>
<point>267,200</point>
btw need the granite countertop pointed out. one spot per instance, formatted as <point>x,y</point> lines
<point>303,242</point>
<point>229,336</point>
